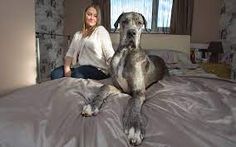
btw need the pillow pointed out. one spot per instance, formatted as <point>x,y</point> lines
<point>169,56</point>
<point>173,58</point>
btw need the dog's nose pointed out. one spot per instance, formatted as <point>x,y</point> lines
<point>131,32</point>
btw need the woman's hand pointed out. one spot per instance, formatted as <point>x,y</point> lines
<point>67,63</point>
<point>67,72</point>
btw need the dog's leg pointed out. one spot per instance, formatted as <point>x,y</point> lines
<point>93,107</point>
<point>132,119</point>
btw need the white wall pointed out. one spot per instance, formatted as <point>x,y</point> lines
<point>17,45</point>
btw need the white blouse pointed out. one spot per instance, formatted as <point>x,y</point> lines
<point>95,50</point>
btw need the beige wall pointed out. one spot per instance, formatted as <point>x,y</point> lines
<point>74,15</point>
<point>17,45</point>
<point>206,19</point>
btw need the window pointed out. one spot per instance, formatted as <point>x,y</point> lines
<point>156,12</point>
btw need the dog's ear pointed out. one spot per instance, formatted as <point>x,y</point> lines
<point>144,22</point>
<point>117,22</point>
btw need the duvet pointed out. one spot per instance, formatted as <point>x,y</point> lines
<point>180,111</point>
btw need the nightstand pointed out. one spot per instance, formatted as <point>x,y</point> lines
<point>222,70</point>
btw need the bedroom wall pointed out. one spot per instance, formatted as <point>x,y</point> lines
<point>74,14</point>
<point>17,45</point>
<point>206,18</point>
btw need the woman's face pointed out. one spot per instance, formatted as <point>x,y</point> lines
<point>91,17</point>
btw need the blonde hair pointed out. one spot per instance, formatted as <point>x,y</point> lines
<point>87,31</point>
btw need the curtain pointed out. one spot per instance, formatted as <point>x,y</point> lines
<point>181,18</point>
<point>105,12</point>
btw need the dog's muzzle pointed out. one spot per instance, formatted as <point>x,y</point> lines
<point>131,33</point>
<point>131,36</point>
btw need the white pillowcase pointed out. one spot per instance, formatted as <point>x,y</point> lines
<point>173,58</point>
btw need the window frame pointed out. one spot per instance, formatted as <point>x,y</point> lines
<point>154,28</point>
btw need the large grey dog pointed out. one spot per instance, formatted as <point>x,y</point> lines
<point>132,71</point>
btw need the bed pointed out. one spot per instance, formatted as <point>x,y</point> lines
<point>191,108</point>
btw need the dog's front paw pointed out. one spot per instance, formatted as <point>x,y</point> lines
<point>134,128</point>
<point>135,136</point>
<point>89,110</point>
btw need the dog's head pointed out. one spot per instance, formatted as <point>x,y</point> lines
<point>131,24</point>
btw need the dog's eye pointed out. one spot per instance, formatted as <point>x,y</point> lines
<point>139,23</point>
<point>124,22</point>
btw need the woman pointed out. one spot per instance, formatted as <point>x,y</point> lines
<point>90,51</point>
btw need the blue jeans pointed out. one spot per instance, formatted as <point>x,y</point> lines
<point>85,72</point>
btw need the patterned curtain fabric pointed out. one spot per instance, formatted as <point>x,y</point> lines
<point>49,18</point>
<point>181,18</point>
<point>105,12</point>
<point>228,33</point>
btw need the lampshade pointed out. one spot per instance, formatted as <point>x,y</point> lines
<point>215,47</point>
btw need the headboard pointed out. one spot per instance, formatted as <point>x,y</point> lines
<point>160,41</point>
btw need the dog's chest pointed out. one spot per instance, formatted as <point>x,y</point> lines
<point>118,67</point>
